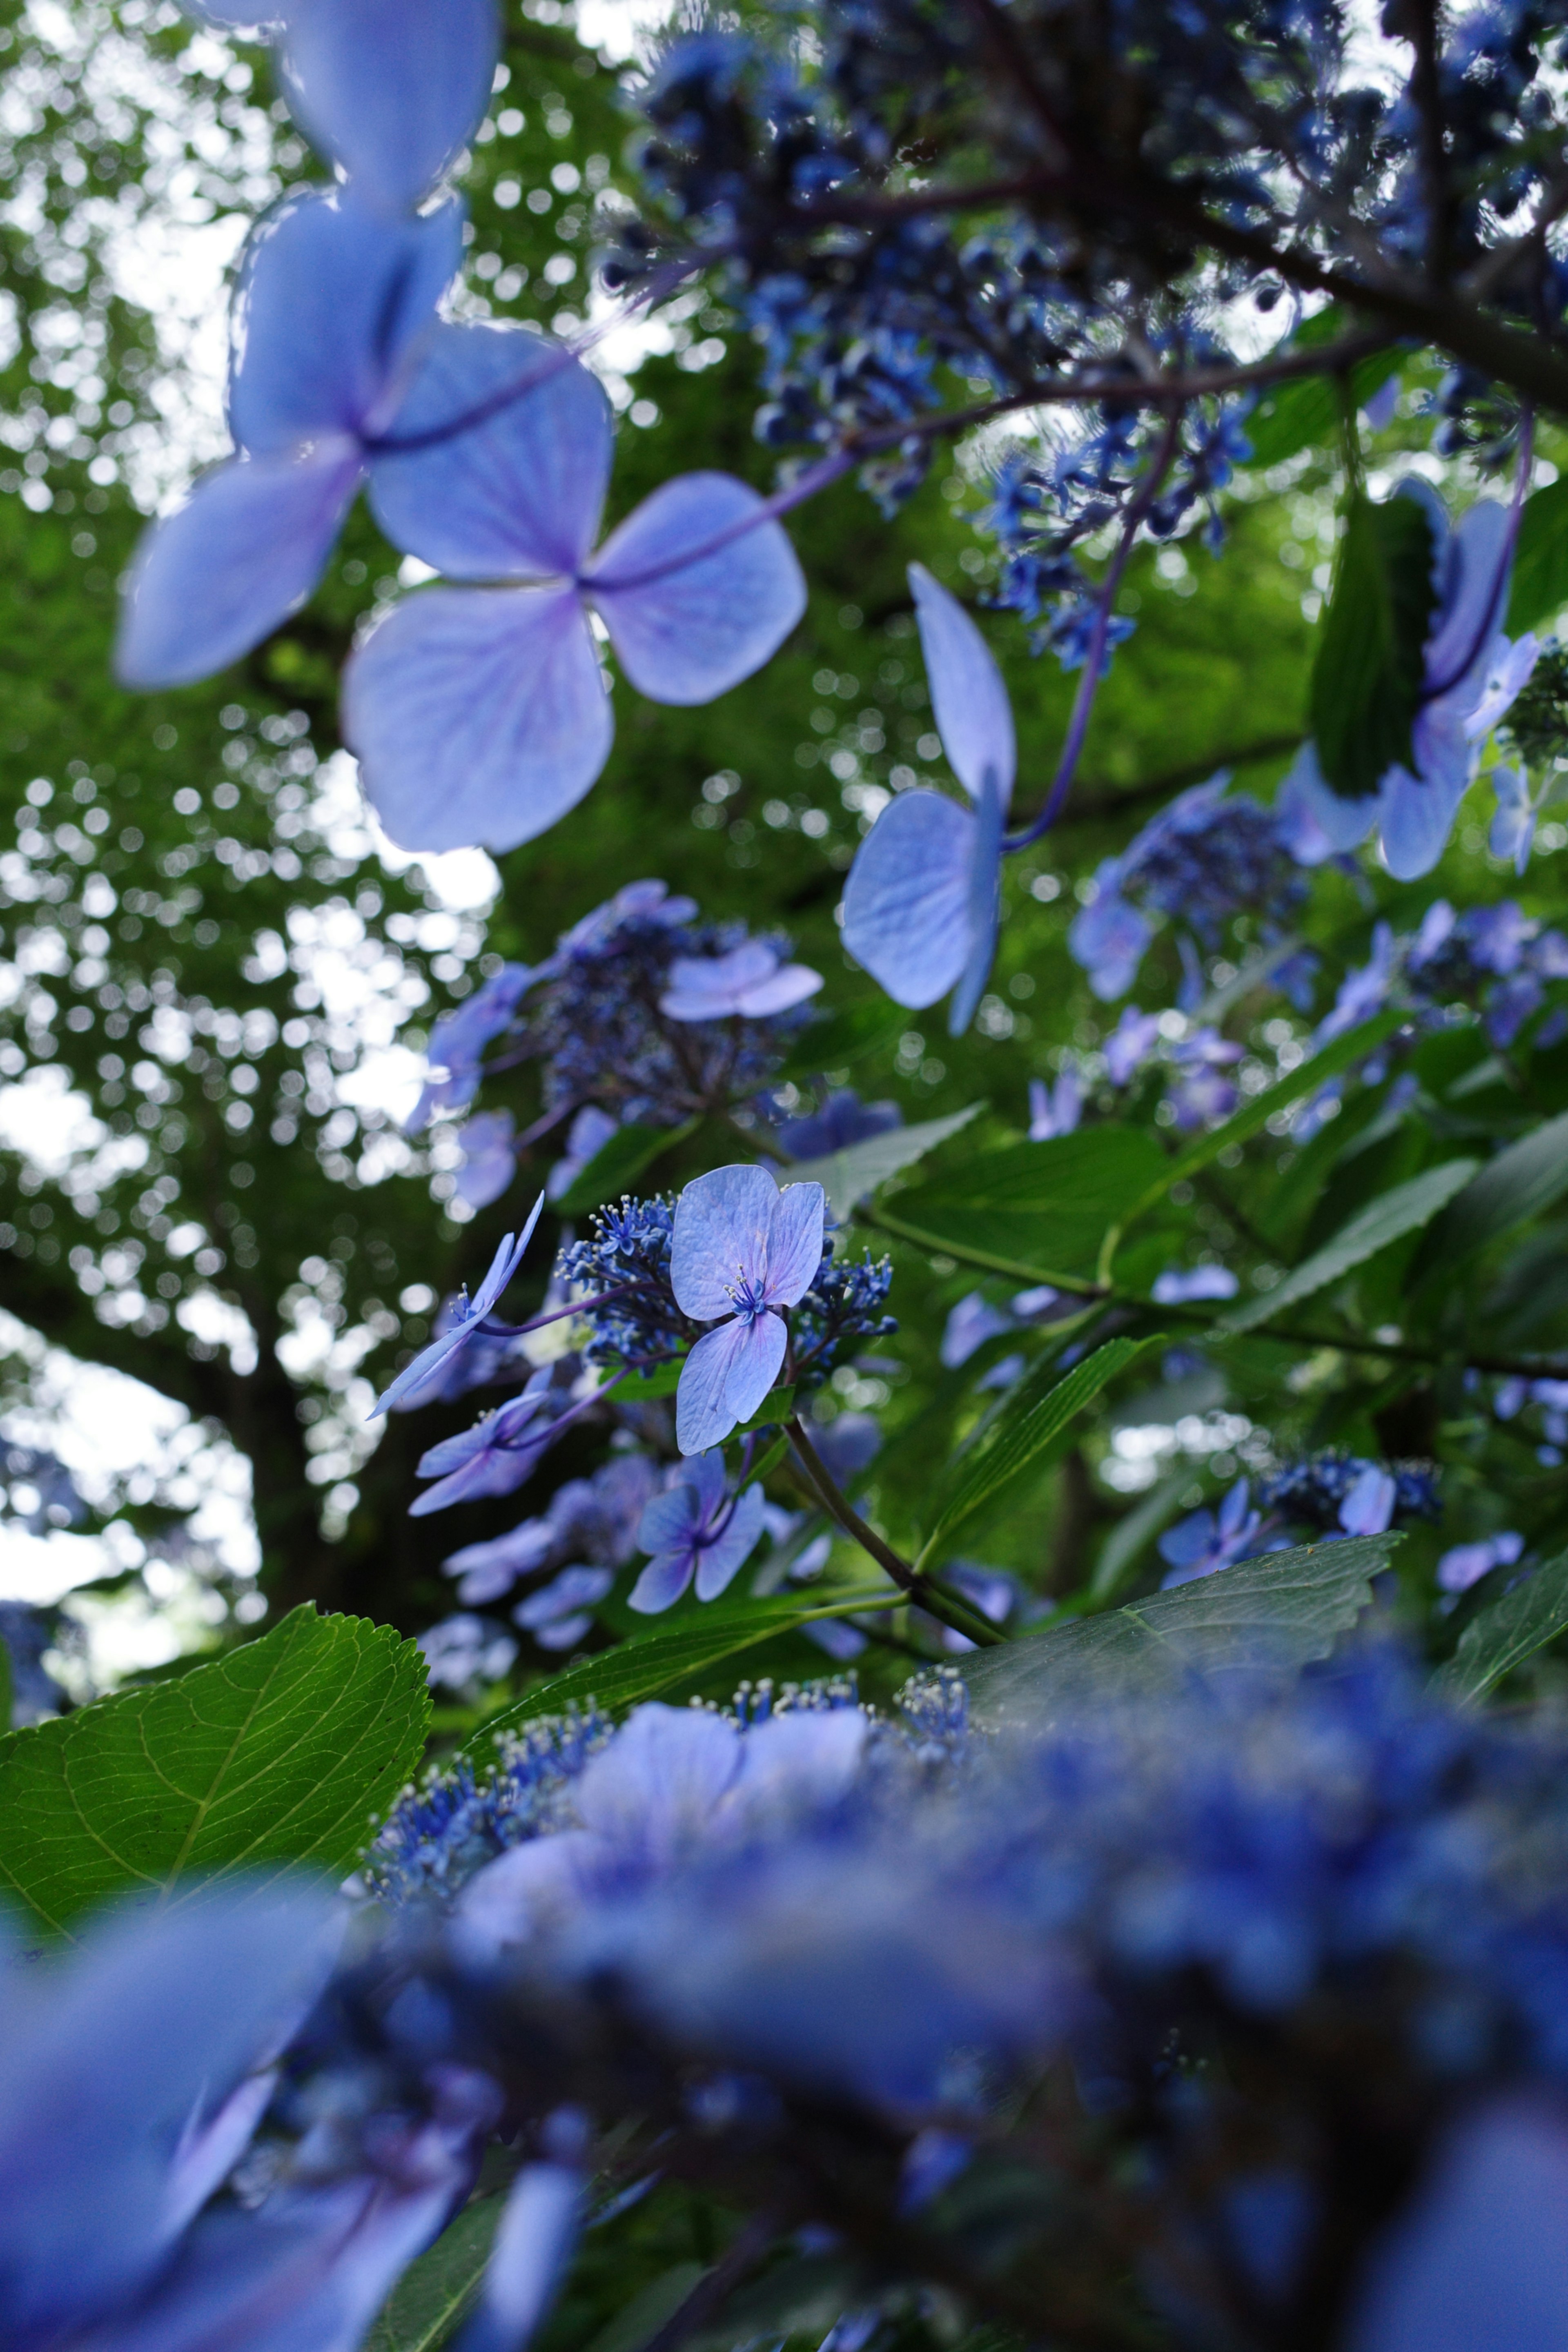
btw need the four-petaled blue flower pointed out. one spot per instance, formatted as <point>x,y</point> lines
<point>560,1612</point>
<point>494,1457</point>
<point>471,1315</point>
<point>922,901</point>
<point>696,1530</point>
<point>750,983</point>
<point>1196,1547</point>
<point>478,713</point>
<point>489,1158</point>
<point>741,1250</point>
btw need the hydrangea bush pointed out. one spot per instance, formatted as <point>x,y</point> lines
<point>1143,1933</point>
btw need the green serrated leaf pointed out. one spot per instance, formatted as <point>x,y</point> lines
<point>618,1165</point>
<point>1272,1615</point>
<point>278,1754</point>
<point>850,1176</point>
<point>1404,1209</point>
<point>436,2294</point>
<point>1371,662</point>
<point>1500,1638</point>
<point>1022,1433</point>
<point>662,1662</point>
<point>1540,588</point>
<point>1037,1210</point>
<point>1304,1079</point>
<point>1524,1178</point>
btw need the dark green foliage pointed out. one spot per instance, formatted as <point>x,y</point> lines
<point>1369,671</point>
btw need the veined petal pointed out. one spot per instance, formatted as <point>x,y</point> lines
<point>723,1222</point>
<point>795,1244</point>
<point>652,1790</point>
<point>974,716</point>
<point>688,625</point>
<point>670,1521</point>
<point>334,299</point>
<point>725,1379</point>
<point>1461,644</point>
<point>718,1562</point>
<point>225,570</point>
<point>517,496</point>
<point>907,904</point>
<point>985,904</point>
<point>662,1582</point>
<point>391,89</point>
<point>477,715</point>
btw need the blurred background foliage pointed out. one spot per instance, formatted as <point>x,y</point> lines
<point>218,979</point>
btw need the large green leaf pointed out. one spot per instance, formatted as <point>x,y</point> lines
<point>1540,587</point>
<point>848,1177</point>
<point>1038,1211</point>
<point>279,1753</point>
<point>618,1165</point>
<point>437,2293</point>
<point>1306,409</point>
<point>1370,663</point>
<point>1404,1209</point>
<point>1272,1615</point>
<point>1030,1423</point>
<point>1523,1180</point>
<point>1304,1079</point>
<point>1501,1637</point>
<point>660,1663</point>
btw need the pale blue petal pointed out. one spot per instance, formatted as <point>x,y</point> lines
<point>1317,823</point>
<point>657,1781</point>
<point>687,626</point>
<point>795,1244</point>
<point>718,1563</point>
<point>478,715</point>
<point>517,496</point>
<point>670,1521</point>
<point>224,570</point>
<point>974,716</point>
<point>489,1158</point>
<point>723,1222</point>
<point>391,89</point>
<point>505,1262</point>
<point>1479,2261</point>
<point>984,905</point>
<point>706,1477</point>
<point>662,1582</point>
<point>1415,816</point>
<point>907,902</point>
<point>1460,645</point>
<point>725,1379</point>
<point>334,302</point>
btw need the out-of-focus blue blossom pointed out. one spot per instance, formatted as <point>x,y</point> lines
<point>969,1325</point>
<point>1512,834</point>
<point>748,983</point>
<point>1363,992</point>
<point>1208,1540</point>
<point>843,1120</point>
<point>588,1134</point>
<point>1508,672</point>
<point>534,2241</point>
<point>133,2073</point>
<point>1465,1564</point>
<point>456,1051</point>
<point>39,1492</point>
<point>992,1590</point>
<point>1367,1507</point>
<point>1180,1286</point>
<point>1198,863</point>
<point>468,1321</point>
<point>489,1158</point>
<point>467,1653</point>
<point>1055,1110</point>
<point>560,1612</point>
<point>923,897</point>
<point>1201,1094</point>
<point>478,711</point>
<point>742,1251</point>
<point>586,1520</point>
<point>1496,958</point>
<point>497,1454</point>
<point>1129,1045</point>
<point>1314,1491</point>
<point>848,1444</point>
<point>695,1528</point>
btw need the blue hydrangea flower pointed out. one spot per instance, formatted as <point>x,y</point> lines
<point>465,1653</point>
<point>1179,1287</point>
<point>337,300</point>
<point>749,984</point>
<point>561,1613</point>
<point>1465,1564</point>
<point>740,1250</point>
<point>454,1056</point>
<point>1109,938</point>
<point>488,1146</point>
<point>1130,1044</point>
<point>843,1120</point>
<point>1208,1540</point>
<point>921,904</point>
<point>1055,1110</point>
<point>471,1321</point>
<point>497,1454</point>
<point>696,1530</point>
<point>1512,834</point>
<point>1201,1094</point>
<point>390,91</point>
<point>478,711</point>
